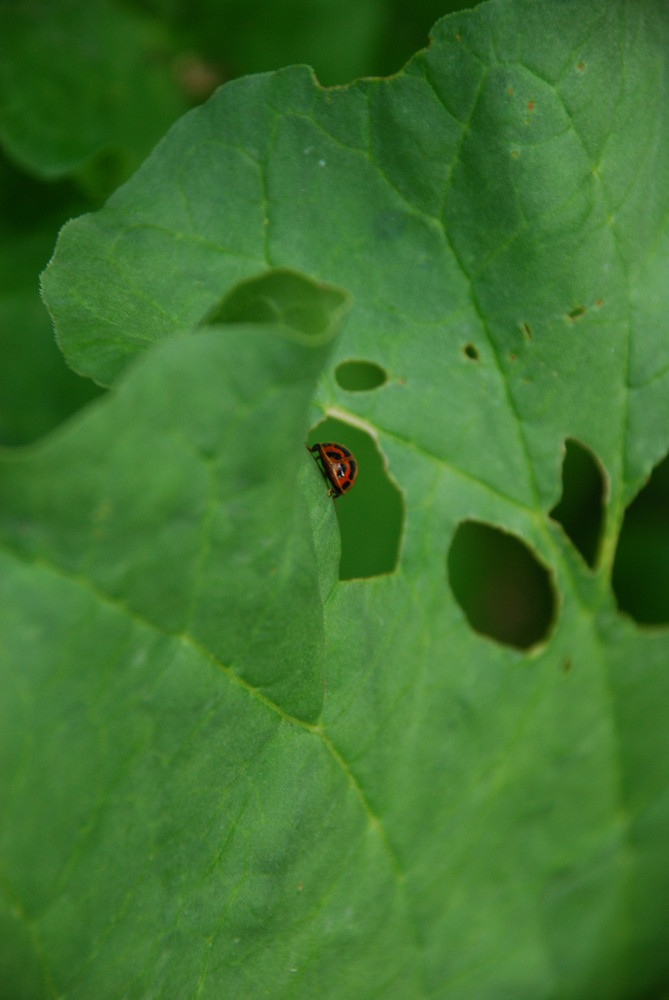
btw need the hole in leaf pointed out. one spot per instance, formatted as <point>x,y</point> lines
<point>580,510</point>
<point>371,514</point>
<point>576,312</point>
<point>471,352</point>
<point>503,589</point>
<point>360,376</point>
<point>641,565</point>
<point>284,297</point>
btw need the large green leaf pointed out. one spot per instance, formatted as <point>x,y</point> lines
<point>158,558</point>
<point>231,774</point>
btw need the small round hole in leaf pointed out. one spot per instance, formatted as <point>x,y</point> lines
<point>580,510</point>
<point>371,514</point>
<point>471,352</point>
<point>641,566</point>
<point>360,376</point>
<point>503,589</point>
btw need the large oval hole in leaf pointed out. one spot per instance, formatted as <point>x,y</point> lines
<point>581,507</point>
<point>641,565</point>
<point>371,515</point>
<point>503,589</point>
<point>360,376</point>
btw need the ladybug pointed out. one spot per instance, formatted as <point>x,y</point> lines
<point>338,464</point>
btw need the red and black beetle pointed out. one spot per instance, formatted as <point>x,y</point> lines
<point>338,465</point>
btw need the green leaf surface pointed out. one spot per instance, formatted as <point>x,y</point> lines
<point>230,773</point>
<point>83,81</point>
<point>176,611</point>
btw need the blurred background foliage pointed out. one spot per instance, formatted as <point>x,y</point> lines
<point>341,39</point>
